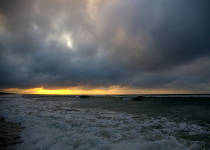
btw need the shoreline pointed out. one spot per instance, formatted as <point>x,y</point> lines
<point>9,133</point>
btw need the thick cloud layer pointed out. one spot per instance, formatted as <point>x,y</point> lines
<point>94,43</point>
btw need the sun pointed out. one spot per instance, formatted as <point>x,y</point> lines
<point>69,44</point>
<point>67,40</point>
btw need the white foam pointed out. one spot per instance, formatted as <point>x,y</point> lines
<point>55,125</point>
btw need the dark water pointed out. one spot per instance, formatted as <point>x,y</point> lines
<point>190,109</point>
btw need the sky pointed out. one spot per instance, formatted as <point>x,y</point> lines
<point>105,46</point>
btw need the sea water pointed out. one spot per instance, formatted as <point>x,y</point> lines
<point>109,123</point>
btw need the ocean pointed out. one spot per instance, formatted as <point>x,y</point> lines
<point>156,122</point>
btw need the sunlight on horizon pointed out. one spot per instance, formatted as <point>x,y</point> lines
<point>115,90</point>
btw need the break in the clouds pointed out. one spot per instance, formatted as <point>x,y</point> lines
<point>96,43</point>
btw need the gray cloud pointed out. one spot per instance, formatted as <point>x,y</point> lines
<point>138,43</point>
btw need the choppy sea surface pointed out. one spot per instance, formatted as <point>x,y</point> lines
<point>159,122</point>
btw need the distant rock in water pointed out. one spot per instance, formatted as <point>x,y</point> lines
<point>138,98</point>
<point>84,96</point>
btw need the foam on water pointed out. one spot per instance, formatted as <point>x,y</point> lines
<point>55,125</point>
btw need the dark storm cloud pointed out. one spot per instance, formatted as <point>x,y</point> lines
<point>137,43</point>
